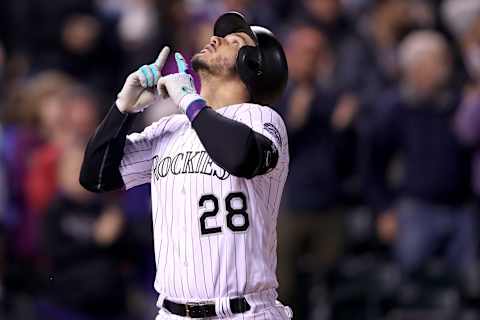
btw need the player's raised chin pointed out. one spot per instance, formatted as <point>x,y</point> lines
<point>221,53</point>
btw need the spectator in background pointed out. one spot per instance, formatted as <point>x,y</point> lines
<point>320,140</point>
<point>459,17</point>
<point>49,115</point>
<point>45,104</point>
<point>67,117</point>
<point>430,210</point>
<point>468,117</point>
<point>21,138</point>
<point>85,241</point>
<point>352,65</point>
<point>338,67</point>
<point>467,32</point>
<point>17,141</point>
<point>471,53</point>
<point>385,25</point>
<point>141,30</point>
<point>74,37</point>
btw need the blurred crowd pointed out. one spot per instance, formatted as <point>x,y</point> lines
<point>380,211</point>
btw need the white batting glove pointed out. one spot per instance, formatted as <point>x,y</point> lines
<point>138,92</point>
<point>179,86</point>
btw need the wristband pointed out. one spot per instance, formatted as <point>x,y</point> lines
<point>191,104</point>
<point>194,108</point>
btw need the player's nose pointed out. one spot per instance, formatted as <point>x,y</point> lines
<point>215,41</point>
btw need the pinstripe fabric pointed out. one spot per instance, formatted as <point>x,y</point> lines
<point>193,265</point>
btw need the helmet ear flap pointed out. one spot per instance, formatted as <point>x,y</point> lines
<point>249,63</point>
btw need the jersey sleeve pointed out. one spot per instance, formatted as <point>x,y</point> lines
<point>138,153</point>
<point>268,123</point>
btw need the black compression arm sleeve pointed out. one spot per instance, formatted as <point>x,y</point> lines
<point>234,146</point>
<point>104,152</point>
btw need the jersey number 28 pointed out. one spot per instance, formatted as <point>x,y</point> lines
<point>233,213</point>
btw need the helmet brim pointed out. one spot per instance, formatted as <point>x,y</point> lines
<point>233,22</point>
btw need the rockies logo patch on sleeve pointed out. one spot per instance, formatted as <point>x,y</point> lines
<point>274,132</point>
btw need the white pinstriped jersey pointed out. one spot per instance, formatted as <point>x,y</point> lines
<point>214,233</point>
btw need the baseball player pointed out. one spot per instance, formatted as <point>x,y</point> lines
<point>217,172</point>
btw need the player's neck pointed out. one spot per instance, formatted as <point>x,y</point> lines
<point>220,92</point>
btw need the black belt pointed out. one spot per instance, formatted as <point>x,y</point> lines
<point>203,310</point>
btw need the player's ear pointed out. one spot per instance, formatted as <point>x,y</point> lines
<point>248,66</point>
<point>249,62</point>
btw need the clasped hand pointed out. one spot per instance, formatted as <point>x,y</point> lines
<point>146,84</point>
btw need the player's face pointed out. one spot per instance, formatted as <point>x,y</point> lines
<point>218,57</point>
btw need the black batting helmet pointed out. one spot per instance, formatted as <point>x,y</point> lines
<point>263,68</point>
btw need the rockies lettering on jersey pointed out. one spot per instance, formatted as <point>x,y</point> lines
<point>185,163</point>
<point>214,233</point>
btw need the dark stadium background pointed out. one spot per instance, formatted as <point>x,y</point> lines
<point>380,218</point>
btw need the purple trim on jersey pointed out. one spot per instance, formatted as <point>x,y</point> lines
<point>194,108</point>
